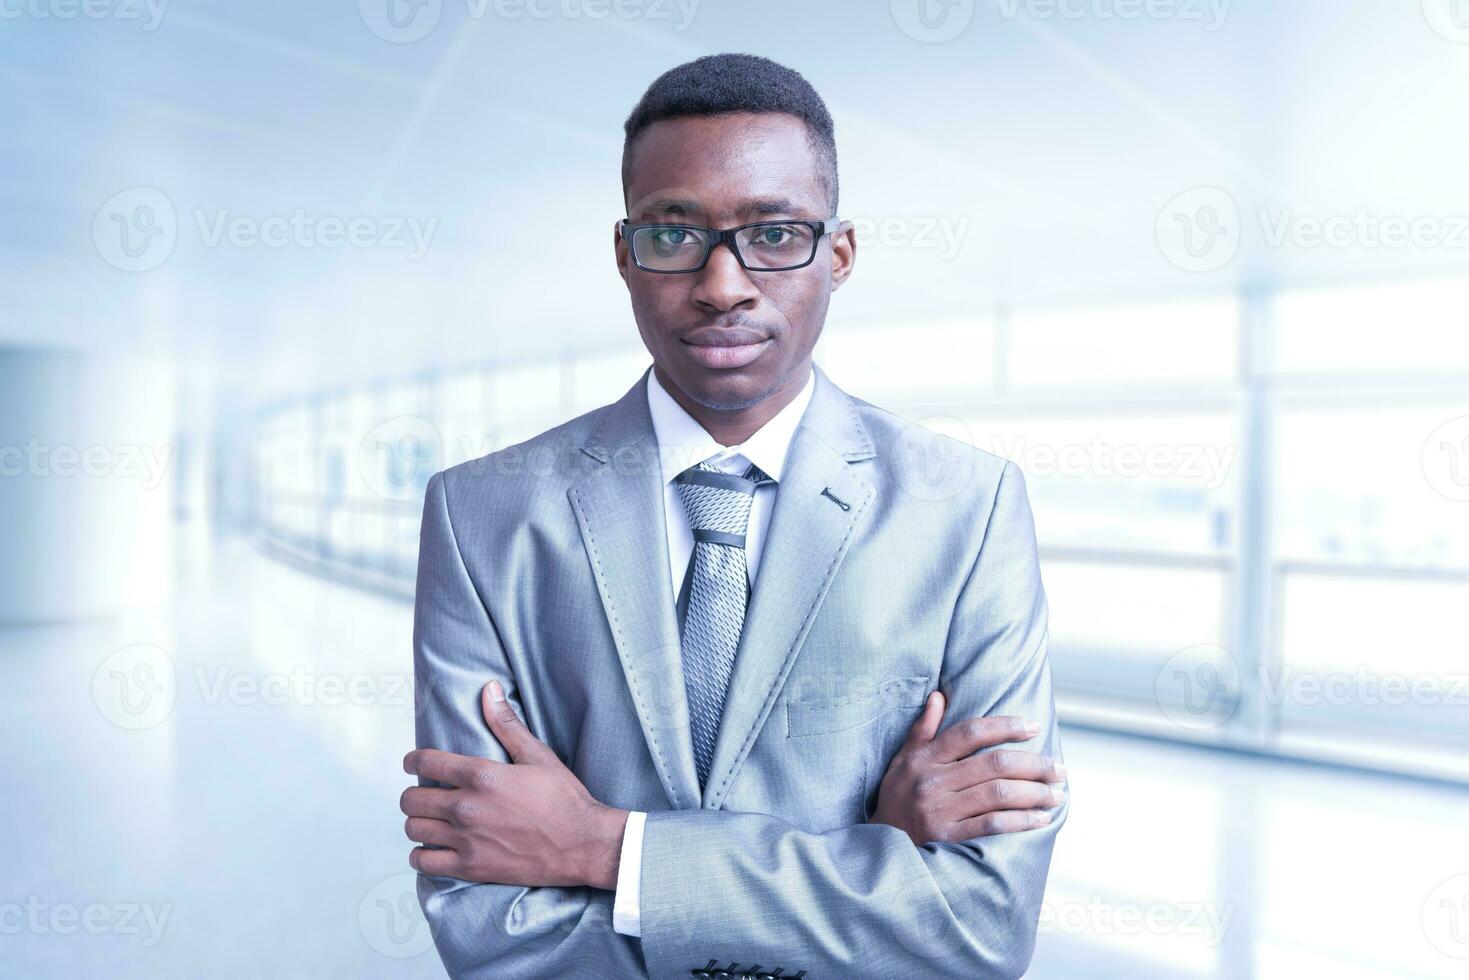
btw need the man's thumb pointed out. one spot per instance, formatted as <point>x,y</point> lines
<point>519,744</point>
<point>927,725</point>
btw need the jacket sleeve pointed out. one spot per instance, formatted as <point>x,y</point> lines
<point>863,901</point>
<point>505,932</point>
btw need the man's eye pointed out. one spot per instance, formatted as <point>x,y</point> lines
<point>780,238</point>
<point>673,237</point>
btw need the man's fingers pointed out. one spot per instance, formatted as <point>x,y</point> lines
<point>507,727</point>
<point>430,861</point>
<point>427,831</point>
<point>443,767</point>
<point>962,738</point>
<point>1003,764</point>
<point>427,801</point>
<point>1007,794</point>
<point>927,725</point>
<point>1001,822</point>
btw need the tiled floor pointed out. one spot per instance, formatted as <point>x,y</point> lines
<point>242,821</point>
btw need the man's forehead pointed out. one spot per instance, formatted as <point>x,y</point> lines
<point>746,164</point>
<point>725,141</point>
<point>773,206</point>
<point>730,125</point>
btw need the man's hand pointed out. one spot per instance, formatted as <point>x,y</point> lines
<point>934,790</point>
<point>529,821</point>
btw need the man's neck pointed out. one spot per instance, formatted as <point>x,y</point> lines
<point>733,428</point>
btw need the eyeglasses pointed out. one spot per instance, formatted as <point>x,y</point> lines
<point>765,246</point>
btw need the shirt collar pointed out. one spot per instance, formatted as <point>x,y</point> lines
<point>682,441</point>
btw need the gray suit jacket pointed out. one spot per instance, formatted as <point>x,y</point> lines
<point>896,560</point>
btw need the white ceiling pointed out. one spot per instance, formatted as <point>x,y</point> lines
<point>1053,142</point>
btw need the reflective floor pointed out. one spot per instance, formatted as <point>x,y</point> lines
<point>212,791</point>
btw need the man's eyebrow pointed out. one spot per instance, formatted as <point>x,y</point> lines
<point>664,205</point>
<point>767,207</point>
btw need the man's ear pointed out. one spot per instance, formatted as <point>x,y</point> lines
<point>619,249</point>
<point>843,255</point>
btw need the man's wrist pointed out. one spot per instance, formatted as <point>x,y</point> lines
<point>603,852</point>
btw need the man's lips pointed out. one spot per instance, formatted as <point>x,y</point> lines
<point>726,356</point>
<point>725,347</point>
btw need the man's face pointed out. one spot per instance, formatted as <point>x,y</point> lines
<point>719,172</point>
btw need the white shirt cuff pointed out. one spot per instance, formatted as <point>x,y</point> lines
<point>625,918</point>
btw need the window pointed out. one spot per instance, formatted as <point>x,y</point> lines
<point>1251,526</point>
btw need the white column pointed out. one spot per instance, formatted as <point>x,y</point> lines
<point>86,485</point>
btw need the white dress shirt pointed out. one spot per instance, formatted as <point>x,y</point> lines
<point>683,442</point>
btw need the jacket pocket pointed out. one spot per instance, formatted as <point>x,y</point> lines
<point>832,715</point>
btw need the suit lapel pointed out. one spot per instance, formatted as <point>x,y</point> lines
<point>619,510</point>
<point>807,538</point>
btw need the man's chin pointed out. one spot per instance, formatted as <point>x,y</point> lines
<point>725,391</point>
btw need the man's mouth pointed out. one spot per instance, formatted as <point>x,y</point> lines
<point>725,348</point>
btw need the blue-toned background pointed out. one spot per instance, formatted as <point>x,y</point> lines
<point>1200,267</point>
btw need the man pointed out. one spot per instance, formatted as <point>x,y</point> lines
<point>733,609</point>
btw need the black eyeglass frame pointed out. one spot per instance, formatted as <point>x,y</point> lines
<point>821,227</point>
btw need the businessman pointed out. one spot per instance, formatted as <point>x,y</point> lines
<point>739,675</point>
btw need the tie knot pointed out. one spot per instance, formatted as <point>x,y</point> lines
<point>718,502</point>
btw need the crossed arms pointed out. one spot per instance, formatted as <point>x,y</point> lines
<point>519,882</point>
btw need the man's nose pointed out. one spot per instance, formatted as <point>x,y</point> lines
<point>723,283</point>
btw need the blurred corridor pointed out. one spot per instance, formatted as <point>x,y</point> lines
<point>1201,269</point>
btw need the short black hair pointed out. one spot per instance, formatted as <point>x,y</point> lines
<point>720,83</point>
